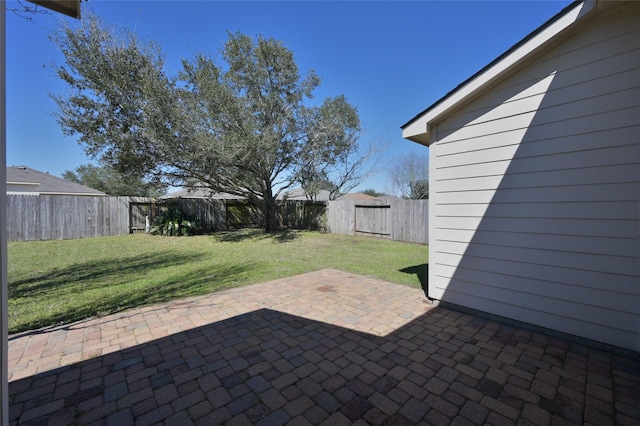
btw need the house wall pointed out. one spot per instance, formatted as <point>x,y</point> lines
<point>535,189</point>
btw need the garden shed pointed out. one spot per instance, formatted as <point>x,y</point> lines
<point>535,179</point>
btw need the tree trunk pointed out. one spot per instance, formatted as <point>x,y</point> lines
<point>271,220</point>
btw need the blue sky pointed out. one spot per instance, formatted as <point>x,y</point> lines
<point>390,59</point>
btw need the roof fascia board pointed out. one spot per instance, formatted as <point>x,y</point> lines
<point>24,183</point>
<point>66,7</point>
<point>81,194</point>
<point>419,128</point>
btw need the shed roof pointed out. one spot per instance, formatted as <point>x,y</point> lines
<point>418,128</point>
<point>37,182</point>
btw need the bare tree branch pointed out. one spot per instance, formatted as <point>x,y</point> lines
<point>410,176</point>
<point>28,10</point>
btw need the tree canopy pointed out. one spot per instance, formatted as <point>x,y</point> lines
<point>242,123</point>
<point>108,180</point>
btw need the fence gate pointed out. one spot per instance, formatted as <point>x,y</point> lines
<point>373,220</point>
<point>138,213</point>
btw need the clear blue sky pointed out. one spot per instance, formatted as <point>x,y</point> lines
<point>390,59</point>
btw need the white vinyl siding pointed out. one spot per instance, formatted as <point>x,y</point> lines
<point>535,189</point>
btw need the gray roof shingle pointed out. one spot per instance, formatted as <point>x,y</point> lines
<point>37,182</point>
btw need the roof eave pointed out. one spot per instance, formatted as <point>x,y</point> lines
<point>418,133</point>
<point>418,128</point>
<point>66,7</point>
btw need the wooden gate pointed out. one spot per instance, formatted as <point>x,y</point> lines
<point>138,213</point>
<point>373,220</point>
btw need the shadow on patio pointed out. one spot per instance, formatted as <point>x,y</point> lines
<point>267,366</point>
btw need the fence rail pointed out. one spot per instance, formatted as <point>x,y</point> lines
<point>54,217</point>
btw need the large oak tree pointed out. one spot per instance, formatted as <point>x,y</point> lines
<point>242,123</point>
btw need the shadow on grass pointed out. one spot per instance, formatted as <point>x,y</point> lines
<point>254,234</point>
<point>103,271</point>
<point>98,288</point>
<point>422,272</point>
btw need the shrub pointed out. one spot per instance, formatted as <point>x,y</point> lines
<point>173,223</point>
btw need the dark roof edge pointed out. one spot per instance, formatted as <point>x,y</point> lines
<point>531,35</point>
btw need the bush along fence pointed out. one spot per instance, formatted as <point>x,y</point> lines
<point>54,217</point>
<point>208,214</point>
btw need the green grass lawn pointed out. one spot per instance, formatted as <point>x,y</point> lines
<point>56,282</point>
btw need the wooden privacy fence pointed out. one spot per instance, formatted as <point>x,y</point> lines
<point>55,217</point>
<point>218,215</point>
<point>395,219</point>
<point>210,214</point>
<point>303,214</point>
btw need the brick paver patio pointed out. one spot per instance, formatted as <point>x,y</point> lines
<point>322,348</point>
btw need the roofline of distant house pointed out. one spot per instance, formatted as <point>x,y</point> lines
<point>87,194</point>
<point>23,183</point>
<point>83,194</point>
<point>510,51</point>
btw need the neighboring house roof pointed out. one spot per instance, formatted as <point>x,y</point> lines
<point>28,181</point>
<point>418,129</point>
<point>201,193</point>
<point>356,197</point>
<point>294,194</point>
<point>301,194</point>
